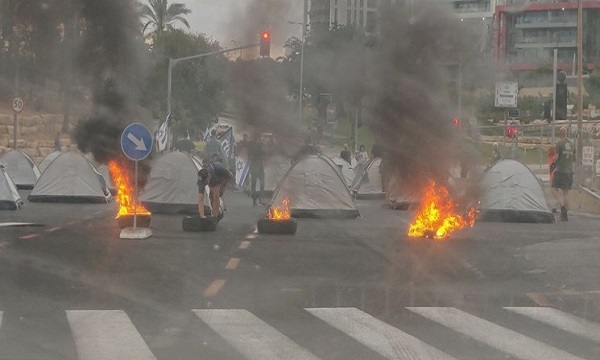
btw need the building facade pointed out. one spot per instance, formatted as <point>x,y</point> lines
<point>527,32</point>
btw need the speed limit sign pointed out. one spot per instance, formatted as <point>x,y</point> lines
<point>18,104</point>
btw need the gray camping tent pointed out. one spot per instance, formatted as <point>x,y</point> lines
<point>172,185</point>
<point>9,196</point>
<point>368,182</point>
<point>512,193</point>
<point>70,178</point>
<point>48,159</point>
<point>22,170</point>
<point>346,169</point>
<point>276,167</point>
<point>315,188</point>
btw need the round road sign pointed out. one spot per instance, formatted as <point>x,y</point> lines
<point>17,104</point>
<point>136,141</point>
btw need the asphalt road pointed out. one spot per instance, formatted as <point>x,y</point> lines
<point>337,289</point>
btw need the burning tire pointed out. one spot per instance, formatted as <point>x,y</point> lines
<point>267,226</point>
<point>197,224</point>
<point>143,221</point>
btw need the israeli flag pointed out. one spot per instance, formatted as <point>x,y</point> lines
<point>242,169</point>
<point>227,142</point>
<point>162,135</point>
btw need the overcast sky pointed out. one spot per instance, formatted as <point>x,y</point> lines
<point>219,19</point>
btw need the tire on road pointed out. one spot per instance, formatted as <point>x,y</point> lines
<point>266,226</point>
<point>197,224</point>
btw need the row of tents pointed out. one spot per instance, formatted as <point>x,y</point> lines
<point>317,186</point>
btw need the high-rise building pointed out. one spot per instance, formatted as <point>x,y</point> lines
<point>527,32</point>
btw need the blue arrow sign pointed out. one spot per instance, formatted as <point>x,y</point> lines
<point>136,141</point>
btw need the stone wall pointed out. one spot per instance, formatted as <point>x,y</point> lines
<point>35,134</point>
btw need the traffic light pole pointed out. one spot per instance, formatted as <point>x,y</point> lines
<point>554,81</point>
<point>173,62</point>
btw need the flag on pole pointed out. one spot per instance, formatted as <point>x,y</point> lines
<point>227,142</point>
<point>162,135</point>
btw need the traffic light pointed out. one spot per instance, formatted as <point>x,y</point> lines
<point>562,93</point>
<point>512,131</point>
<point>561,101</point>
<point>265,44</point>
<point>456,121</point>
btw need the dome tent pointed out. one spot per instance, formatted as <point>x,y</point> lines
<point>9,196</point>
<point>22,170</point>
<point>70,178</point>
<point>511,192</point>
<point>48,159</point>
<point>368,182</point>
<point>315,188</point>
<point>172,185</point>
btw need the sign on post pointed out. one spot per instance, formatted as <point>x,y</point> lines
<point>598,167</point>
<point>587,156</point>
<point>506,94</point>
<point>136,142</point>
<point>17,104</point>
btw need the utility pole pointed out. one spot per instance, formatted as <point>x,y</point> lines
<point>579,78</point>
<point>554,81</point>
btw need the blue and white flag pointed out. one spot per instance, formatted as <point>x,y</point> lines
<point>242,168</point>
<point>162,135</point>
<point>208,130</point>
<point>227,142</point>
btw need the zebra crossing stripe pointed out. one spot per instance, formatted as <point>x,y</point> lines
<point>498,337</point>
<point>561,320</point>
<point>106,334</point>
<point>378,336</point>
<point>251,336</point>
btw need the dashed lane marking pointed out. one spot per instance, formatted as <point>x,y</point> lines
<point>244,245</point>
<point>213,289</point>
<point>29,236</point>
<point>53,229</point>
<point>539,299</point>
<point>251,236</point>
<point>233,263</point>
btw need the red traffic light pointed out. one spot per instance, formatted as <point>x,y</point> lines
<point>265,35</point>
<point>512,131</point>
<point>456,121</point>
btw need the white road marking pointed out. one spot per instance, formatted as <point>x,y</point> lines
<point>378,336</point>
<point>107,334</point>
<point>561,320</point>
<point>251,336</point>
<point>244,245</point>
<point>251,236</point>
<point>498,337</point>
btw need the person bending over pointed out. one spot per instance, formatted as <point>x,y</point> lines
<point>216,177</point>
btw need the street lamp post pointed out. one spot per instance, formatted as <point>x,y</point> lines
<point>301,89</point>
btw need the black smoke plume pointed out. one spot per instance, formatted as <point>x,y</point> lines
<point>109,58</point>
<point>407,72</point>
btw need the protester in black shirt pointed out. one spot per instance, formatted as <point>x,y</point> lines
<point>216,177</point>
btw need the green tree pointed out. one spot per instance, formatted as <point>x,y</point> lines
<point>198,85</point>
<point>160,16</point>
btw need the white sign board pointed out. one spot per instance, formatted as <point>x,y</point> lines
<point>587,156</point>
<point>506,94</point>
<point>17,104</point>
<point>598,167</point>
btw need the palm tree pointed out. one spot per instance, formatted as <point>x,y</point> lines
<point>160,16</point>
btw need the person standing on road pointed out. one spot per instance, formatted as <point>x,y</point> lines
<point>562,180</point>
<point>213,151</point>
<point>256,159</point>
<point>551,170</point>
<point>216,176</point>
<point>362,156</point>
<point>497,154</point>
<point>57,146</point>
<point>346,155</point>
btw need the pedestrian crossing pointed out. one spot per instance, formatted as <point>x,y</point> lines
<point>112,334</point>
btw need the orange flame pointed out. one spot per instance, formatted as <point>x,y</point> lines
<point>280,213</point>
<point>125,191</point>
<point>438,217</point>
